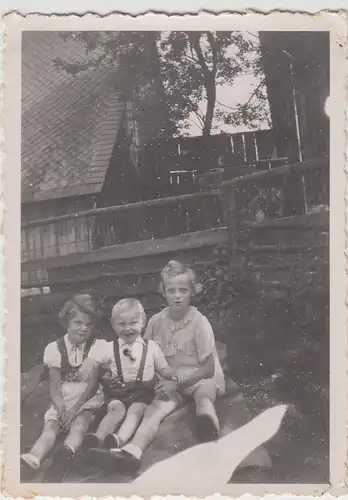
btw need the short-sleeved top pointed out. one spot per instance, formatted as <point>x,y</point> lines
<point>75,352</point>
<point>155,361</point>
<point>186,344</point>
<point>72,390</point>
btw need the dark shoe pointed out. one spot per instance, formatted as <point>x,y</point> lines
<point>206,429</point>
<point>112,441</point>
<point>113,460</point>
<point>56,472</point>
<point>91,441</point>
<point>27,473</point>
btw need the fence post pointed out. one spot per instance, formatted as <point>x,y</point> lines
<point>232,221</point>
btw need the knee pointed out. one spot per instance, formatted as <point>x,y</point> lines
<point>51,429</point>
<point>156,412</point>
<point>117,406</point>
<point>137,409</point>
<point>206,391</point>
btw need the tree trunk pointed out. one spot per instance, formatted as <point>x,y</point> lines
<point>209,83</point>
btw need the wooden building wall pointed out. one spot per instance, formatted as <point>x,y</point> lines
<point>56,239</point>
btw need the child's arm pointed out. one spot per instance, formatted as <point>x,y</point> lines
<point>205,370</point>
<point>164,370</point>
<point>56,391</point>
<point>167,372</point>
<point>205,345</point>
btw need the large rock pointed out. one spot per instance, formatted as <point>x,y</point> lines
<point>177,431</point>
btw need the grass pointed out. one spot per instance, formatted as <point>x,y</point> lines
<point>278,352</point>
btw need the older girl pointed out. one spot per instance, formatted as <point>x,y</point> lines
<point>69,410</point>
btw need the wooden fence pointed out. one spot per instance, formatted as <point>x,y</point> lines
<point>270,251</point>
<point>91,230</point>
<point>245,214</point>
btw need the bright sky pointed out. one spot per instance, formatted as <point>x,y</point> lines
<point>239,92</point>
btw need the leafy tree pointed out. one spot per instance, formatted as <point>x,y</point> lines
<point>172,75</point>
<point>197,62</point>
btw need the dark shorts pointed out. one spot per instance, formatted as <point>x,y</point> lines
<point>145,395</point>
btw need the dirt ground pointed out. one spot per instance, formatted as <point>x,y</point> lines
<point>276,357</point>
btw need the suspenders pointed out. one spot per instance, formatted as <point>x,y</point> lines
<point>140,373</point>
<point>65,365</point>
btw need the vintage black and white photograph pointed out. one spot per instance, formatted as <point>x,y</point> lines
<point>175,285</point>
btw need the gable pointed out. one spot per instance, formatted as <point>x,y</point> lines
<point>69,123</point>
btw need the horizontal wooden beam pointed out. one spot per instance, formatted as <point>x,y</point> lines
<point>283,248</point>
<point>277,285</point>
<point>299,167</point>
<point>210,237</point>
<point>158,202</point>
<point>95,276</point>
<point>273,160</point>
<point>306,222</point>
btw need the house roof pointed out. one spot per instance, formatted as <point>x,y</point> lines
<point>69,123</point>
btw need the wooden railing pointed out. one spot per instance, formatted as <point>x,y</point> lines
<point>91,230</point>
<point>260,239</point>
<point>103,234</point>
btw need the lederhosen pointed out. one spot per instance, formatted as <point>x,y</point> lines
<point>70,373</point>
<point>137,391</point>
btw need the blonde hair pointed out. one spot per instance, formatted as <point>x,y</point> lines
<point>78,303</point>
<point>175,268</point>
<point>126,305</point>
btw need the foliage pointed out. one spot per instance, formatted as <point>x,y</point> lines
<point>282,343</point>
<point>172,75</point>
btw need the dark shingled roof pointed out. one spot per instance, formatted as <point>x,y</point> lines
<point>69,123</point>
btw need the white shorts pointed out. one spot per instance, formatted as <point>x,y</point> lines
<point>71,393</point>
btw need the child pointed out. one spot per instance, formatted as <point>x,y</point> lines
<point>187,340</point>
<point>70,409</point>
<point>128,367</point>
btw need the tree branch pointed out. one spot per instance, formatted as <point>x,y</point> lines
<point>194,41</point>
<point>213,50</point>
<point>193,59</point>
<point>254,92</point>
<point>200,117</point>
<point>197,125</point>
<point>224,105</point>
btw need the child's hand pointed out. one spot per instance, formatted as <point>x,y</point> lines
<point>68,418</point>
<point>182,379</point>
<point>164,388</point>
<point>60,407</point>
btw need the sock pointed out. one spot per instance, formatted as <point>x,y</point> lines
<point>70,448</point>
<point>31,460</point>
<point>133,450</point>
<point>120,441</point>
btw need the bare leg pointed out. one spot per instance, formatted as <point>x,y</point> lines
<point>153,416</point>
<point>44,444</point>
<point>78,429</point>
<point>113,418</point>
<point>204,396</point>
<point>133,418</point>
